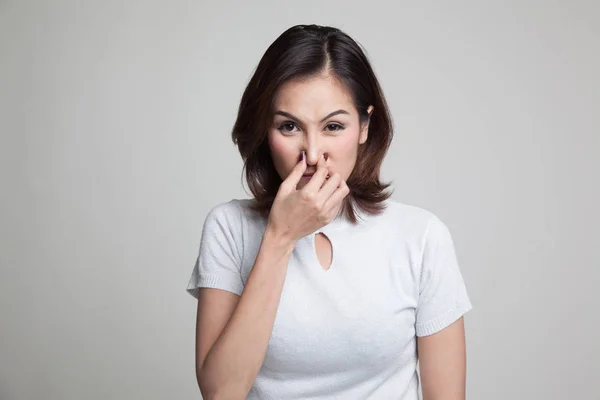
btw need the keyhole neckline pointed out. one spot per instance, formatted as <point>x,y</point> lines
<point>313,246</point>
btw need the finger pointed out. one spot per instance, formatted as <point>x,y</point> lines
<point>335,200</point>
<point>329,187</point>
<point>316,181</point>
<point>295,175</point>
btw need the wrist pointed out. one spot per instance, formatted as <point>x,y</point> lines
<point>275,238</point>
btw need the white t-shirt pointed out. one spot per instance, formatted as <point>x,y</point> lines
<point>348,332</point>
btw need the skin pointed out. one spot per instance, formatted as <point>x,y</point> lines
<point>316,116</point>
<point>232,331</point>
<point>301,123</point>
<point>442,360</point>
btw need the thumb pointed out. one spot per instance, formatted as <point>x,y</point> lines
<point>295,175</point>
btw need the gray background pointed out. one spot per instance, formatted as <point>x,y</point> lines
<point>115,120</point>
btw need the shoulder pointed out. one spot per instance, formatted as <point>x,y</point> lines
<point>408,217</point>
<point>234,213</point>
<point>424,226</point>
<point>410,223</point>
<point>233,206</point>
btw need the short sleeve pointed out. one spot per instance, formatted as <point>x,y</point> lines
<point>443,297</point>
<point>219,260</point>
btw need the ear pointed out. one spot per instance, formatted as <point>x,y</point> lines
<point>364,131</point>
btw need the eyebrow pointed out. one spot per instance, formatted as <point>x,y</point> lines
<point>296,119</point>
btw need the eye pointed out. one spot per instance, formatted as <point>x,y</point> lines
<point>334,127</point>
<point>287,127</point>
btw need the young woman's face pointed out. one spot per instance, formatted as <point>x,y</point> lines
<point>315,115</point>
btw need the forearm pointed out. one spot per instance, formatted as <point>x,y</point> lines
<point>233,362</point>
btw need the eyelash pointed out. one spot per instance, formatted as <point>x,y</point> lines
<point>337,126</point>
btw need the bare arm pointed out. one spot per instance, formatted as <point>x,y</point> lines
<point>442,362</point>
<point>233,331</point>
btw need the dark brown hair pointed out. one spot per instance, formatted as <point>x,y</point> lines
<point>303,51</point>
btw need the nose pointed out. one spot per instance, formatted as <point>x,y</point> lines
<point>313,150</point>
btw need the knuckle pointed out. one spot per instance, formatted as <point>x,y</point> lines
<point>307,196</point>
<point>324,218</point>
<point>315,207</point>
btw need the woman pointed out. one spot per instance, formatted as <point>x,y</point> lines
<point>321,286</point>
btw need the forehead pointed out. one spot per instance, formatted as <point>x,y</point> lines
<point>315,95</point>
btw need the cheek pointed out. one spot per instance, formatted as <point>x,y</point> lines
<point>283,151</point>
<point>346,148</point>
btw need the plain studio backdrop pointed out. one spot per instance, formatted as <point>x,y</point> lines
<point>115,119</point>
